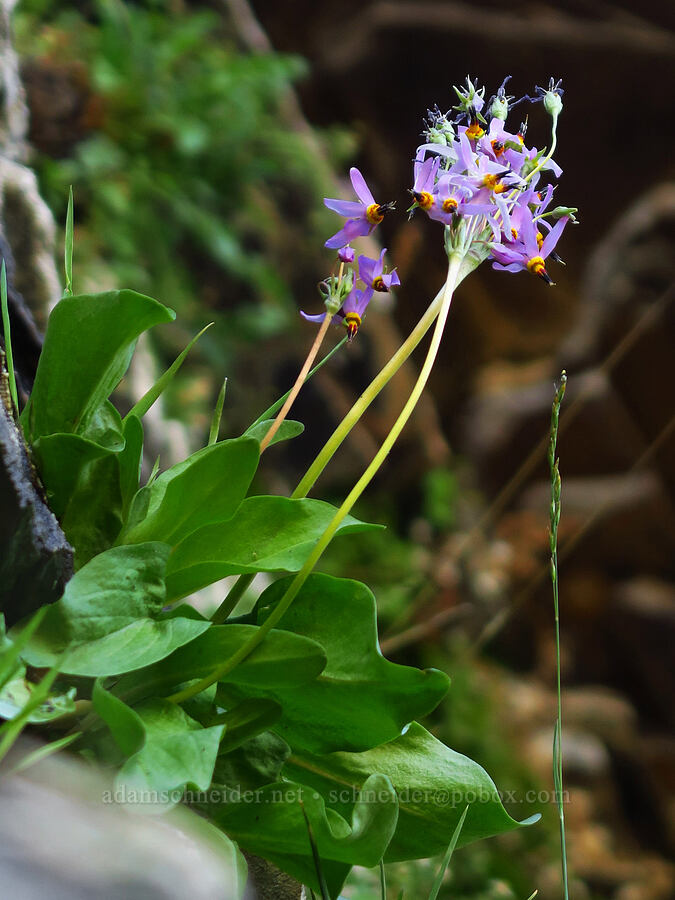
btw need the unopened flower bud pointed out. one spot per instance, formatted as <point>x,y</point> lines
<point>499,108</point>
<point>553,103</point>
<point>552,97</point>
<point>346,254</point>
<point>561,211</point>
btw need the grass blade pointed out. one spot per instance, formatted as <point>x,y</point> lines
<point>217,415</point>
<point>11,730</point>
<point>153,473</point>
<point>36,756</point>
<point>68,255</point>
<point>10,657</point>
<point>152,395</point>
<point>448,856</point>
<point>383,881</point>
<point>325,893</point>
<point>6,327</point>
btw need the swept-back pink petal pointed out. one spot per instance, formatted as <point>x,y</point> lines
<point>352,229</point>
<point>360,187</point>
<point>347,208</point>
<point>552,237</point>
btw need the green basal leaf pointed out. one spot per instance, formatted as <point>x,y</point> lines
<point>287,430</point>
<point>61,459</point>
<point>267,534</point>
<point>107,621</point>
<point>89,343</point>
<point>247,719</point>
<point>281,658</point>
<point>124,723</point>
<point>17,693</point>
<point>269,821</point>
<point>434,784</point>
<point>177,751</point>
<point>360,699</point>
<point>94,515</point>
<point>204,489</point>
<point>105,427</point>
<point>130,460</point>
<point>258,762</point>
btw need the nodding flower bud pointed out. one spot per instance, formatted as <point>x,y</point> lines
<point>334,290</point>
<point>564,211</point>
<point>499,108</point>
<point>499,103</point>
<point>552,97</point>
<point>438,129</point>
<point>346,254</point>
<point>553,103</point>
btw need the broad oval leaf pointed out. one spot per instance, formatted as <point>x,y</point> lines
<point>124,723</point>
<point>177,751</point>
<point>205,488</point>
<point>107,620</point>
<point>267,534</point>
<point>281,658</point>
<point>434,784</point>
<point>247,719</point>
<point>360,699</point>
<point>288,429</point>
<point>269,822</point>
<point>60,459</point>
<point>88,345</point>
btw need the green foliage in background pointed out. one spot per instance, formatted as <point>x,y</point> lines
<point>185,177</point>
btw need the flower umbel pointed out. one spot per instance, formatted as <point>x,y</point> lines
<point>481,181</point>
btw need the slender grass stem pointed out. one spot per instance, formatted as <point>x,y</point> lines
<point>293,589</point>
<point>556,488</point>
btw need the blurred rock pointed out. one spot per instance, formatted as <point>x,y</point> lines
<point>621,521</point>
<point>642,630</point>
<point>60,839</point>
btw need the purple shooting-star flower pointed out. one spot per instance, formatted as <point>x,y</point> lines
<point>372,274</point>
<point>425,171</point>
<point>361,216</point>
<point>351,312</point>
<point>528,252</point>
